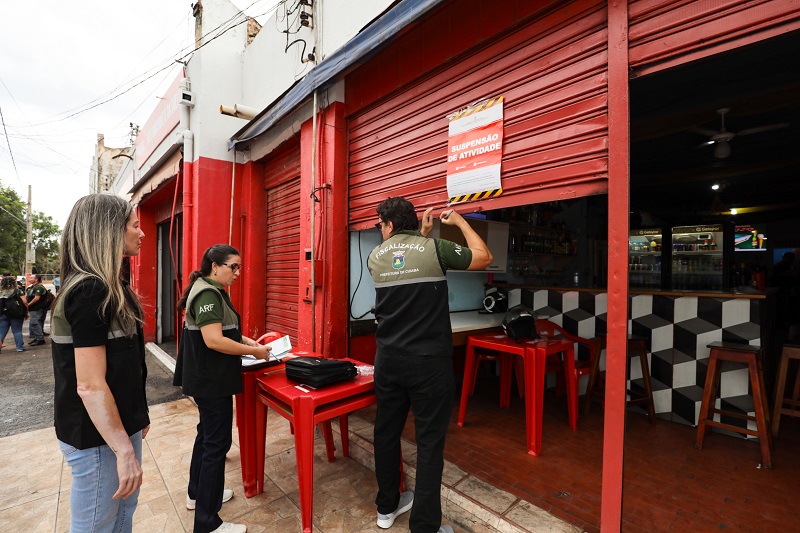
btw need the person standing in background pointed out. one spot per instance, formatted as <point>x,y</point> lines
<point>57,283</point>
<point>413,363</point>
<point>36,310</point>
<point>101,413</point>
<point>12,311</point>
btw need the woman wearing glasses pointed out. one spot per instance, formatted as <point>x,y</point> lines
<point>207,369</point>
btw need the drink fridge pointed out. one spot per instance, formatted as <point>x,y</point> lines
<point>697,257</point>
<point>646,258</point>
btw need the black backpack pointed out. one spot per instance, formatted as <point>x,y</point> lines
<point>14,307</point>
<point>317,372</point>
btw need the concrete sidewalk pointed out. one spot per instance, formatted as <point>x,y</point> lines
<point>34,495</point>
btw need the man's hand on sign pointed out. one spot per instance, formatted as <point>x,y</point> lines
<point>449,217</point>
<point>427,222</point>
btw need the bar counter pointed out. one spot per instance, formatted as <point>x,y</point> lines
<point>678,325</point>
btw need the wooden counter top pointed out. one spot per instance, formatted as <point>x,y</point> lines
<point>730,293</point>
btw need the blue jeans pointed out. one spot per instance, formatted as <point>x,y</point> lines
<point>16,329</point>
<point>94,482</point>
<point>207,469</point>
<point>36,324</point>
<point>426,385</point>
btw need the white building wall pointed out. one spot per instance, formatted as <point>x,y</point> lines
<point>344,19</point>
<point>215,73</point>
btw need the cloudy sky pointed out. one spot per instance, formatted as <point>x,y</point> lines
<point>64,67</point>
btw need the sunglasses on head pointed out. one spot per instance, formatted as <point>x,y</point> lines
<point>233,266</point>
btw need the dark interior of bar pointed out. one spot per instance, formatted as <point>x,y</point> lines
<point>711,432</point>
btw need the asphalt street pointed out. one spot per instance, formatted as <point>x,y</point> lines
<point>26,385</point>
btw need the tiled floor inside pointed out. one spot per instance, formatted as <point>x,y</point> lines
<point>668,484</point>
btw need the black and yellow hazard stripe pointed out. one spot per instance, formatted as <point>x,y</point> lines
<point>486,104</point>
<point>475,196</point>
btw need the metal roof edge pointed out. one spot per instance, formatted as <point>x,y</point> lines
<point>366,43</point>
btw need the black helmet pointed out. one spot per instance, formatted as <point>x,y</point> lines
<point>520,324</point>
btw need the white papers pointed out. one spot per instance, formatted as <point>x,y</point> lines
<point>280,348</point>
<point>249,360</point>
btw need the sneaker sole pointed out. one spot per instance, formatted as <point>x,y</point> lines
<point>387,523</point>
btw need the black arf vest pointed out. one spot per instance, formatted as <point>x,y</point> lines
<point>199,370</point>
<point>411,304</point>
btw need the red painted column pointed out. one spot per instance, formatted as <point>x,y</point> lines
<point>331,235</point>
<point>333,171</point>
<point>145,270</point>
<point>253,221</point>
<point>618,209</point>
<point>304,310</point>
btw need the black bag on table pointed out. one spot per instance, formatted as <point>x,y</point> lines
<point>317,372</point>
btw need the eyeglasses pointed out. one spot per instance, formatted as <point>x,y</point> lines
<point>234,266</point>
<point>379,225</point>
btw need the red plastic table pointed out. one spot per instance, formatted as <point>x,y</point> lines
<point>535,354</point>
<point>246,406</point>
<point>304,408</point>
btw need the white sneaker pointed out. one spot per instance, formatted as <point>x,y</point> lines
<point>445,529</point>
<point>227,527</point>
<point>227,494</point>
<point>385,521</point>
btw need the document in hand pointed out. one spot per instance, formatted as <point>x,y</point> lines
<point>280,347</point>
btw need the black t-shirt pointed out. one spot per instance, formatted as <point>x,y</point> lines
<point>77,323</point>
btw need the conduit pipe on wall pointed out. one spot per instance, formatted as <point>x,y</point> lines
<point>188,176</point>
<point>233,187</point>
<point>239,111</point>
<point>313,216</point>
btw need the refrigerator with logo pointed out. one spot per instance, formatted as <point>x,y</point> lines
<point>646,253</point>
<point>698,257</point>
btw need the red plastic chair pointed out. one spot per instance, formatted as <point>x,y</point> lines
<point>549,329</point>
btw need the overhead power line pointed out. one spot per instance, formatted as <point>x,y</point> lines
<point>8,141</point>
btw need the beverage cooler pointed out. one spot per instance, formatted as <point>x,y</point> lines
<point>645,258</point>
<point>697,257</point>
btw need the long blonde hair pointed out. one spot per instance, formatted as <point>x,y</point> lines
<point>92,244</point>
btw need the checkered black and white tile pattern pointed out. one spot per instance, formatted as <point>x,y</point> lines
<point>678,330</point>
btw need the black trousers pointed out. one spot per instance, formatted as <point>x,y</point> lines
<point>207,470</point>
<point>427,386</point>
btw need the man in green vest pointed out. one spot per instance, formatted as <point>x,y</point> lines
<point>413,362</point>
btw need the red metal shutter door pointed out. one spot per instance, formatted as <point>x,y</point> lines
<point>283,257</point>
<point>665,33</point>
<point>552,73</point>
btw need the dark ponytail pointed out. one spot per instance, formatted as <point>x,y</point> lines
<point>181,305</point>
<point>218,254</point>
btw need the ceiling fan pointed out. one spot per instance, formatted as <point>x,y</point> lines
<point>721,139</point>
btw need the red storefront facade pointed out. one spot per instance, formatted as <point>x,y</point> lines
<point>564,70</point>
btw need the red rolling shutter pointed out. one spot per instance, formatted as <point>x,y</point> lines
<point>551,71</point>
<point>283,242</point>
<point>665,33</point>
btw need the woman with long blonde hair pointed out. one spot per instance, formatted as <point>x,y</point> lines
<point>98,361</point>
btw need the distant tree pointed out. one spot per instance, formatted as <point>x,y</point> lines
<point>13,231</point>
<point>46,235</point>
<point>13,236</point>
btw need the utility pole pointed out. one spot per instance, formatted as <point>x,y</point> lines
<point>29,244</point>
